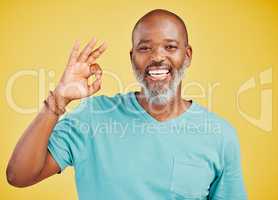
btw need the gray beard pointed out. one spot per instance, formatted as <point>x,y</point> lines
<point>159,94</point>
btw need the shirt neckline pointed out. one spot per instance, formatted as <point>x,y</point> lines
<point>150,118</point>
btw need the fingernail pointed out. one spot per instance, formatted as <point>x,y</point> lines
<point>93,39</point>
<point>77,42</point>
<point>104,44</point>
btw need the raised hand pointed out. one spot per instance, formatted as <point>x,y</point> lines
<point>81,65</point>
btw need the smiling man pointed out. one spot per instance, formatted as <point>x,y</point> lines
<point>150,144</point>
<point>159,57</point>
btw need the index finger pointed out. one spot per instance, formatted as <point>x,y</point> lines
<point>96,53</point>
<point>74,53</point>
<point>87,50</point>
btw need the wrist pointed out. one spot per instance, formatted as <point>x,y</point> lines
<point>51,103</point>
<point>60,100</point>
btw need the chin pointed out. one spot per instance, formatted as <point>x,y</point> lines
<point>159,96</point>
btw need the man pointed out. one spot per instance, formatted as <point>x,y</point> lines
<point>151,144</point>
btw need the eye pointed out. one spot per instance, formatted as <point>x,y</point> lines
<point>171,47</point>
<point>144,48</point>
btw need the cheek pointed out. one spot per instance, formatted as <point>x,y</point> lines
<point>178,60</point>
<point>140,61</point>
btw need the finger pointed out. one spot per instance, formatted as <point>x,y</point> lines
<point>94,87</point>
<point>96,53</point>
<point>91,70</point>
<point>74,53</point>
<point>96,70</point>
<point>87,50</point>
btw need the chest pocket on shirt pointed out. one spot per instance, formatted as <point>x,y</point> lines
<point>189,181</point>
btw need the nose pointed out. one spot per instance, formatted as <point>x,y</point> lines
<point>157,55</point>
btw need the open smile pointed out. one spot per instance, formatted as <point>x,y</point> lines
<point>158,73</point>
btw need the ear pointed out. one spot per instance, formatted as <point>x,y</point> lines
<point>188,54</point>
<point>130,54</point>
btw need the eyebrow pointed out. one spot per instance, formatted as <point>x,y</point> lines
<point>171,40</point>
<point>147,41</point>
<point>143,41</point>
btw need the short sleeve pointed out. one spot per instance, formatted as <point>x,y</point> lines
<point>229,184</point>
<point>66,142</point>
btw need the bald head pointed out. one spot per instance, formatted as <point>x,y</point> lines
<point>158,16</point>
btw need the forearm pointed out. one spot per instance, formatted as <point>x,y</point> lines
<point>30,152</point>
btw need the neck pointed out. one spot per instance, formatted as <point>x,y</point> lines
<point>163,112</point>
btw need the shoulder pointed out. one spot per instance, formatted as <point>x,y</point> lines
<point>99,104</point>
<point>105,99</point>
<point>105,102</point>
<point>225,129</point>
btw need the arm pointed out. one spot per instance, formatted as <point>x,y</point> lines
<point>229,184</point>
<point>30,153</point>
<point>31,162</point>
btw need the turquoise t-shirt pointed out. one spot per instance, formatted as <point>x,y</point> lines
<point>121,152</point>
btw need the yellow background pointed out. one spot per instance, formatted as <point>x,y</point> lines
<point>232,41</point>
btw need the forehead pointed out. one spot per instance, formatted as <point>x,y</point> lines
<point>157,29</point>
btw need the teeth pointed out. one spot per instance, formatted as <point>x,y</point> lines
<point>158,72</point>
